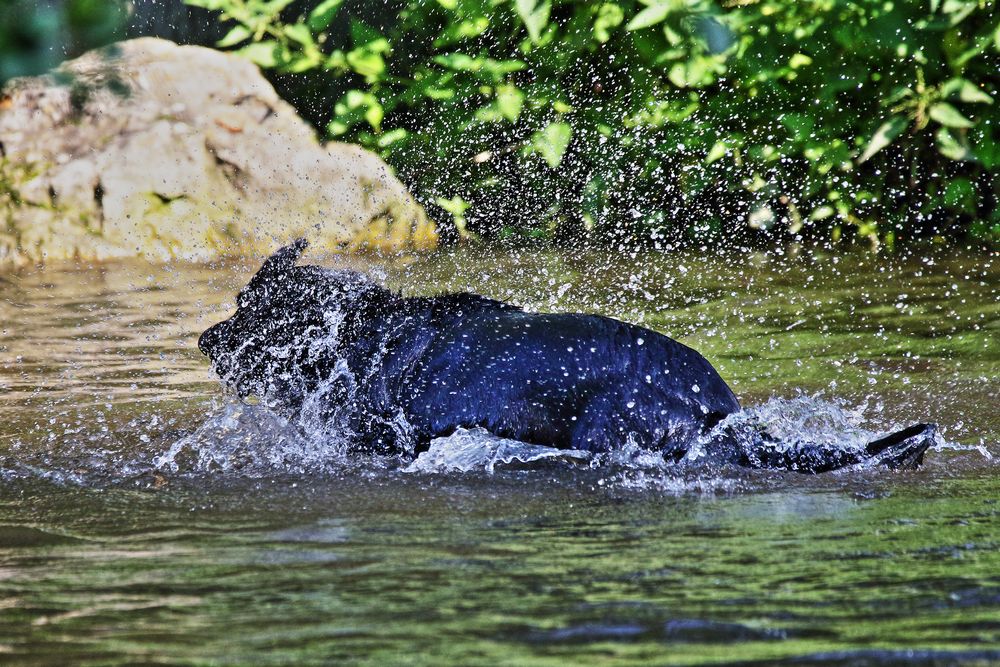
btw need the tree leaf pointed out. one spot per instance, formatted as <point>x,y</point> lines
<point>649,16</point>
<point>355,106</point>
<point>336,61</point>
<point>457,207</point>
<point>299,62</point>
<point>391,137</point>
<point>363,34</point>
<point>322,14</point>
<point>459,62</point>
<point>799,60</point>
<point>534,15</point>
<point>678,75</point>
<point>987,153</point>
<point>965,90</point>
<point>274,7</point>
<point>970,92</point>
<point>299,32</point>
<point>263,54</point>
<point>949,116</point>
<point>234,36</point>
<point>551,142</point>
<point>884,136</point>
<point>498,69</point>
<point>374,115</point>
<point>950,146</point>
<point>510,100</point>
<point>609,17</point>
<point>717,152</point>
<point>821,213</point>
<point>958,9</point>
<point>466,29</point>
<point>366,63</point>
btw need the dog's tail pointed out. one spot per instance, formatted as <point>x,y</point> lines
<point>902,450</point>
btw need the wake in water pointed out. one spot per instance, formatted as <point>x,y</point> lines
<point>243,440</point>
<point>253,440</point>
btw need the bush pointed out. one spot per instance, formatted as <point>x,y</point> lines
<point>664,119</point>
<point>36,36</point>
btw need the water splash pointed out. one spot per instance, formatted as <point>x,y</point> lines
<point>241,439</point>
<point>793,423</point>
<point>477,449</point>
<point>249,440</point>
<point>252,440</point>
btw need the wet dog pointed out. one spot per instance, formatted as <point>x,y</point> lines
<point>396,372</point>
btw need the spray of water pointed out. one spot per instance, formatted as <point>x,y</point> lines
<point>254,441</point>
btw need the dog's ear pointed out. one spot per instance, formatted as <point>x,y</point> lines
<point>281,261</point>
<point>274,267</point>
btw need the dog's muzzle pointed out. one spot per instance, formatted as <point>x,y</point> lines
<point>209,341</point>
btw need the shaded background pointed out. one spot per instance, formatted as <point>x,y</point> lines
<point>743,124</point>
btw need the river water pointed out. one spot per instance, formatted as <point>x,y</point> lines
<point>146,518</point>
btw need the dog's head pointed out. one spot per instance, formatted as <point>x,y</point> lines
<point>287,318</point>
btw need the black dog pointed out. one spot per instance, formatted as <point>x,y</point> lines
<point>398,371</point>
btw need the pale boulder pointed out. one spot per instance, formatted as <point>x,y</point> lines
<point>152,149</point>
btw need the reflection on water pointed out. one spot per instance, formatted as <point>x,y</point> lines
<point>131,531</point>
<point>509,569</point>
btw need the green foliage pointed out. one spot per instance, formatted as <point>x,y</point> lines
<point>669,118</point>
<point>36,36</point>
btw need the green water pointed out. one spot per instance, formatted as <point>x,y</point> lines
<point>103,561</point>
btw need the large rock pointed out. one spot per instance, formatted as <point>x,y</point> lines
<point>166,151</point>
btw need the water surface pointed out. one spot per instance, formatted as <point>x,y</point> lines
<point>234,554</point>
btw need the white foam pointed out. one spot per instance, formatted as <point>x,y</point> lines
<point>469,450</point>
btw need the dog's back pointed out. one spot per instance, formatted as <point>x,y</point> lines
<point>569,380</point>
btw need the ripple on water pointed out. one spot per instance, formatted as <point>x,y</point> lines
<point>144,518</point>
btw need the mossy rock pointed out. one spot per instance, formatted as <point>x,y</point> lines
<point>147,148</point>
